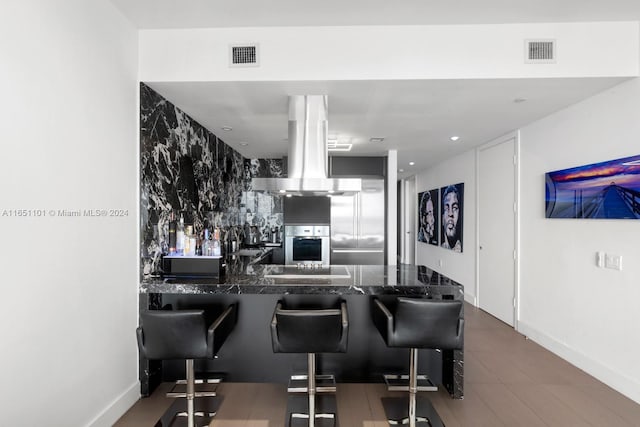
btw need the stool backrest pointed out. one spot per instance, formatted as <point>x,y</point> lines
<point>173,334</point>
<point>308,331</point>
<point>424,323</point>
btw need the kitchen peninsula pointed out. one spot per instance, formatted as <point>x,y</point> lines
<point>187,171</point>
<point>247,355</point>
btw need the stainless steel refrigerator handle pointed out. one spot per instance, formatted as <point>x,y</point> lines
<point>352,251</point>
<point>356,222</point>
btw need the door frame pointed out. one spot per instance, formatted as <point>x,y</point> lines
<point>515,136</point>
<point>410,217</point>
<point>407,220</point>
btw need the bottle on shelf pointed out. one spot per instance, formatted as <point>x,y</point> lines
<point>172,234</point>
<point>192,242</point>
<point>189,241</point>
<point>180,237</point>
<point>233,239</point>
<point>217,251</point>
<point>198,237</point>
<point>207,246</point>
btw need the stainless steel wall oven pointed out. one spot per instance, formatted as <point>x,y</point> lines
<point>307,244</point>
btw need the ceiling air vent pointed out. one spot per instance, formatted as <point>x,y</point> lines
<point>244,55</point>
<point>540,51</point>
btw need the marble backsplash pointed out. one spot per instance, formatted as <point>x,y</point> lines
<point>185,169</point>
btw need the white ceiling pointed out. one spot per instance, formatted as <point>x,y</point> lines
<point>261,13</point>
<point>416,117</point>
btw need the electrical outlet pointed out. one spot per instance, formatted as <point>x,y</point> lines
<point>613,262</point>
<point>440,263</point>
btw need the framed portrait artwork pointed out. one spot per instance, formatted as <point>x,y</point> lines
<point>451,208</point>
<point>428,217</point>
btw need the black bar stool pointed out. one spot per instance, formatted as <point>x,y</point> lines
<point>310,329</point>
<point>206,385</point>
<point>419,323</point>
<point>186,335</point>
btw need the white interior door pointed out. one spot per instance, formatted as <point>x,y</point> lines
<point>497,230</point>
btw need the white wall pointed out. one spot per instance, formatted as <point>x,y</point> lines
<point>390,52</point>
<point>461,267</point>
<point>586,314</point>
<point>68,121</point>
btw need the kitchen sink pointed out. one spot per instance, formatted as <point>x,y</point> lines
<point>292,272</point>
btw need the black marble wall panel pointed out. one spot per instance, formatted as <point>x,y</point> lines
<point>259,208</point>
<point>185,169</point>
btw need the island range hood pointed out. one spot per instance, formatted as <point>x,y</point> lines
<point>308,154</point>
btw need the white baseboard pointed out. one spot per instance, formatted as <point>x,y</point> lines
<point>118,407</point>
<point>471,299</point>
<point>614,379</point>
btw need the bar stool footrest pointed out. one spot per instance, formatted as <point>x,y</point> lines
<point>206,384</point>
<point>401,383</point>
<point>324,384</point>
<point>176,415</point>
<point>321,420</point>
<point>396,411</point>
<point>325,410</point>
<point>203,388</point>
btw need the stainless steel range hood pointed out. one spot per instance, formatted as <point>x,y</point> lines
<point>308,155</point>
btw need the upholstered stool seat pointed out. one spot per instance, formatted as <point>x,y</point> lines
<point>185,335</point>
<point>418,323</point>
<point>297,328</point>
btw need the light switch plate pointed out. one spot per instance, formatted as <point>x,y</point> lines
<point>600,259</point>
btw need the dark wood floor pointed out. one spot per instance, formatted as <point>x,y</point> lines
<point>509,381</point>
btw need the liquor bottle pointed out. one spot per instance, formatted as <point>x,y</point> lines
<point>180,237</point>
<point>193,242</point>
<point>207,247</point>
<point>217,251</point>
<point>172,234</point>
<point>189,241</point>
<point>199,242</point>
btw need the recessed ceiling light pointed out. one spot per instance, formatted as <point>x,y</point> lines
<point>376,139</point>
<point>226,128</point>
<point>288,195</point>
<point>454,138</point>
<point>400,170</point>
<point>244,144</point>
<point>337,146</point>
<point>412,163</point>
<point>283,191</point>
<point>519,100</point>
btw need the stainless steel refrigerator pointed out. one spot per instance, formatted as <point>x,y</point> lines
<point>358,225</point>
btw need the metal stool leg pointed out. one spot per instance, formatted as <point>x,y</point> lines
<point>412,417</point>
<point>312,416</point>
<point>205,411</point>
<point>190,392</point>
<point>322,383</point>
<point>311,362</point>
<point>203,387</point>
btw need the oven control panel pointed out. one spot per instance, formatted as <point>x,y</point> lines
<point>306,230</point>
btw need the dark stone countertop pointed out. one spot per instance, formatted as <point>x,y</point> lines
<point>245,275</point>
